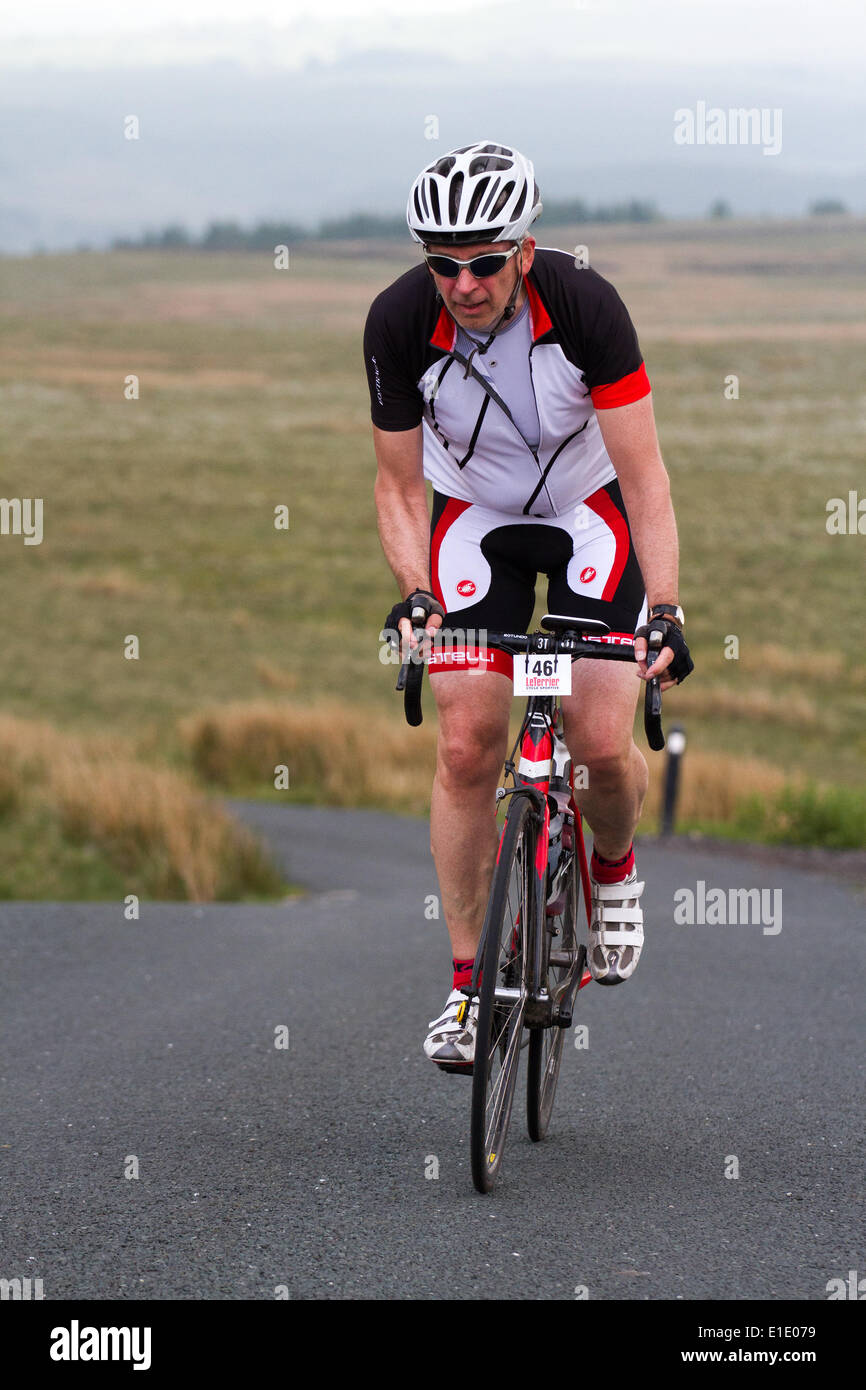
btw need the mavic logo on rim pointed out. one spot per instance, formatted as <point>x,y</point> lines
<point>466,588</point>
<point>587,575</point>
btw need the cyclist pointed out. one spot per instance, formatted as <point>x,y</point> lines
<point>511,378</point>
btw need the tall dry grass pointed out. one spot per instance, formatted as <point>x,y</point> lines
<point>152,822</point>
<point>713,786</point>
<point>335,753</point>
<point>342,756</point>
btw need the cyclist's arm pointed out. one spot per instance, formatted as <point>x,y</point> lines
<point>629,435</point>
<point>401,508</point>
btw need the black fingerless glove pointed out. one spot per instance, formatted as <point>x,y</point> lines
<point>419,598</point>
<point>672,636</point>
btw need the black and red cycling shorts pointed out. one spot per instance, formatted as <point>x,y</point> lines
<point>484,566</point>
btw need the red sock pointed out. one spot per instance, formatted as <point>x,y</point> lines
<point>462,972</point>
<point>611,870</point>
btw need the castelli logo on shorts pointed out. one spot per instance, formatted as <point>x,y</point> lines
<point>587,575</point>
<point>466,588</point>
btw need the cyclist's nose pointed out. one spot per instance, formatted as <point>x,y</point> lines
<point>465,282</point>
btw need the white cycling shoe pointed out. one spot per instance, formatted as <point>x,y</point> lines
<point>451,1042</point>
<point>616,932</point>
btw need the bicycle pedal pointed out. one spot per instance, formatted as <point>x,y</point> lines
<point>460,1068</point>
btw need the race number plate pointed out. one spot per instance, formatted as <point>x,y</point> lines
<point>542,675</point>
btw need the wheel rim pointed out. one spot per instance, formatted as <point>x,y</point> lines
<point>553,1039</point>
<point>506,1024</point>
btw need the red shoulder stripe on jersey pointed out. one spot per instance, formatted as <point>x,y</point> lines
<point>629,388</point>
<point>601,503</point>
<point>540,318</point>
<point>445,332</point>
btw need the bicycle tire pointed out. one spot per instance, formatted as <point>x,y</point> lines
<point>504,963</point>
<point>546,1044</point>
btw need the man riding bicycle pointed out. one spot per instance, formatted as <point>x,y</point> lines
<point>512,380</point>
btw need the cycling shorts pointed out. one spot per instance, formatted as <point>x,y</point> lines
<point>484,565</point>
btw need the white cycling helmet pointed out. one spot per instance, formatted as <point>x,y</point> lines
<point>479,193</point>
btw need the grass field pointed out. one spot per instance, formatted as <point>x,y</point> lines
<point>159,512</point>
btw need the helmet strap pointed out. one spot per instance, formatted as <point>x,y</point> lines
<point>507,313</point>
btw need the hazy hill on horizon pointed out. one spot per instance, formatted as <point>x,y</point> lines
<point>222,140</point>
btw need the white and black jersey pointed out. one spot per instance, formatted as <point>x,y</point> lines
<point>583,356</point>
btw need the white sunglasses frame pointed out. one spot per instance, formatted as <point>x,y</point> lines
<point>467,265</point>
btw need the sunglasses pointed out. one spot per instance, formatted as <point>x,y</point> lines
<point>479,266</point>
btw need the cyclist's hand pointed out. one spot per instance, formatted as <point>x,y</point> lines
<point>400,618</point>
<point>674,657</point>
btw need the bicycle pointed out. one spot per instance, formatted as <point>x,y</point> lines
<point>529,965</point>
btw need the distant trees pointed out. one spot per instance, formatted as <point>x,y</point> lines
<point>218,236</point>
<point>576,210</point>
<point>826,205</point>
<point>360,226</point>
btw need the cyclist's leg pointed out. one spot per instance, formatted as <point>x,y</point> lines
<point>473,731</point>
<point>479,573</point>
<point>602,579</point>
<point>598,717</point>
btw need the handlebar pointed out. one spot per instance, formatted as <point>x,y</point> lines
<point>571,642</point>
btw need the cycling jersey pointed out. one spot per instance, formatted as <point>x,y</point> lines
<point>583,357</point>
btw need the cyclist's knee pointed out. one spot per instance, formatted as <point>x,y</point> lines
<point>467,755</point>
<point>608,759</point>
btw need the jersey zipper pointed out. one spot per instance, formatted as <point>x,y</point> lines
<point>510,418</point>
<point>540,433</point>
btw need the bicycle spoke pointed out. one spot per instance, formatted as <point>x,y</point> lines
<point>500,1020</point>
<point>546,1045</point>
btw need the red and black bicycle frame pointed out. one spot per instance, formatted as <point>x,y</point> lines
<point>532,778</point>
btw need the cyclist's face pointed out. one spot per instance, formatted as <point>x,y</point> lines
<point>477,304</point>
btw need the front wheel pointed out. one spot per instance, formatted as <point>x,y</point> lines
<point>502,992</point>
<point>559,958</point>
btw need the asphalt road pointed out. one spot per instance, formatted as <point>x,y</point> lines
<point>306,1166</point>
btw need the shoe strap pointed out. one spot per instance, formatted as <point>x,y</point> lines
<point>620,914</point>
<point>448,1019</point>
<point>617,892</point>
<point>605,938</point>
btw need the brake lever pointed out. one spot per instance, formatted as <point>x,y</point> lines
<point>411,677</point>
<point>652,705</point>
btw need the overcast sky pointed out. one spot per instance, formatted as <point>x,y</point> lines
<point>754,33</point>
<point>269,108</point>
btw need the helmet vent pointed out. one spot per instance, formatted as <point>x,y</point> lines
<point>443,166</point>
<point>455,192</point>
<point>490,199</point>
<point>434,203</point>
<point>480,190</point>
<point>488,163</point>
<point>502,200</point>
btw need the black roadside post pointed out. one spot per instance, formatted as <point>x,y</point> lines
<point>676,747</point>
